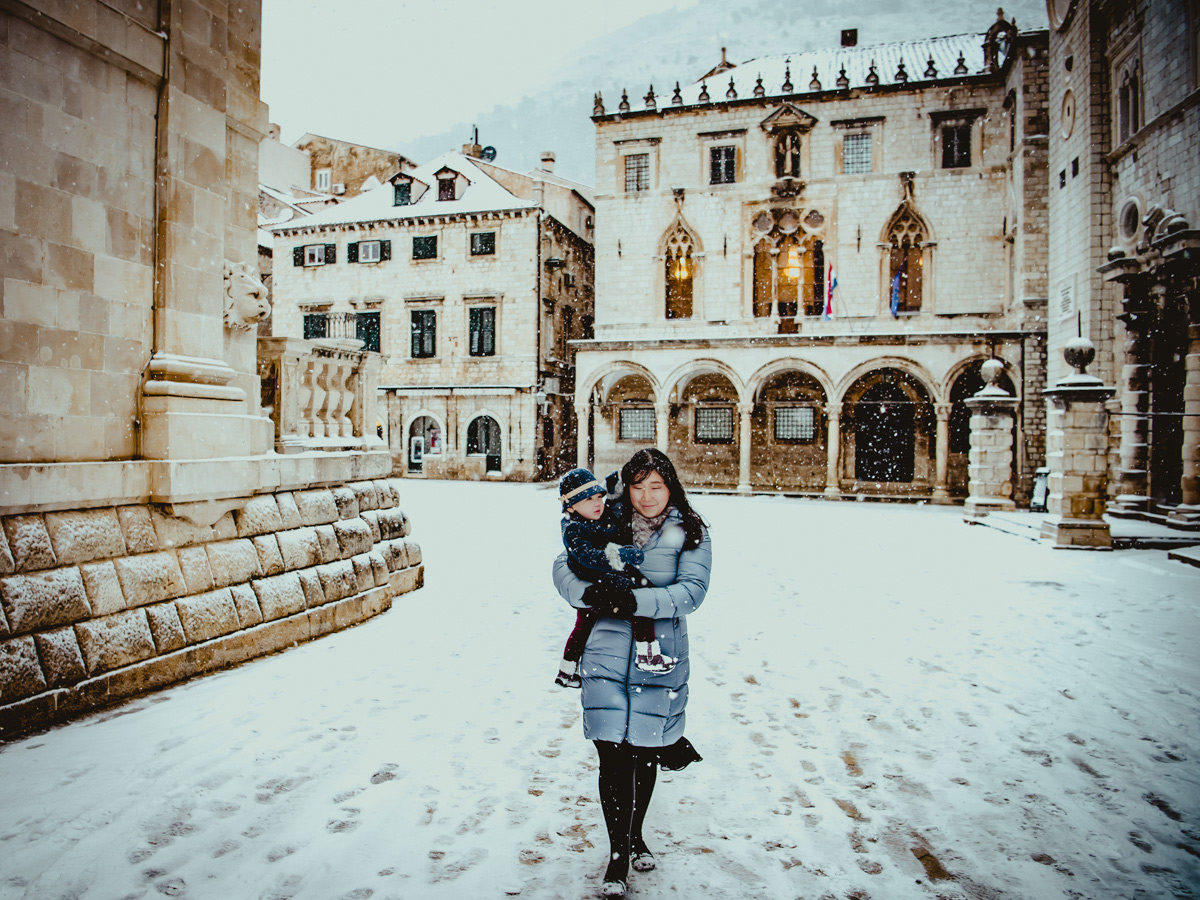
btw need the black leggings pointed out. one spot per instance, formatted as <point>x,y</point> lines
<point>627,776</point>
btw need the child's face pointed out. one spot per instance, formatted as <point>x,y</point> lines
<point>592,508</point>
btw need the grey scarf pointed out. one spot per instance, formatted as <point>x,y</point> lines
<point>643,528</point>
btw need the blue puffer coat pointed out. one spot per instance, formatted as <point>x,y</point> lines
<point>621,702</point>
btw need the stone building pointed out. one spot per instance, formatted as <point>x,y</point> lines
<point>912,173</point>
<point>1124,206</point>
<point>470,279</point>
<point>346,169</point>
<point>148,532</point>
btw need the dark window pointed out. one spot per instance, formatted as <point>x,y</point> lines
<point>425,247</point>
<point>856,153</point>
<point>445,188</point>
<point>956,146</point>
<point>483,243</point>
<point>424,333</point>
<point>637,424</point>
<point>366,329</point>
<point>722,165</point>
<point>316,325</point>
<point>483,437</point>
<point>714,425</point>
<point>637,172</point>
<point>483,330</point>
<point>795,425</point>
<point>403,194</point>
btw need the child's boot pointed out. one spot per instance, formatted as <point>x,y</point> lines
<point>650,658</point>
<point>568,675</point>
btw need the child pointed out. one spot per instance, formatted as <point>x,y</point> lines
<point>587,530</point>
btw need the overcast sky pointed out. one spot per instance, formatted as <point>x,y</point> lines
<point>367,70</point>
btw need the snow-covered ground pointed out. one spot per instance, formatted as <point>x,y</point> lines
<point>890,704</point>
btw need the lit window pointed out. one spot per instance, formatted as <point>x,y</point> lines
<point>956,146</point>
<point>424,333</point>
<point>424,247</point>
<point>483,330</point>
<point>795,425</point>
<point>637,172</point>
<point>324,179</point>
<point>856,154</point>
<point>483,243</point>
<point>680,273</point>
<point>722,165</point>
<point>637,424</point>
<point>714,425</point>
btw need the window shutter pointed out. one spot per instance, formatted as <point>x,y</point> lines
<point>414,349</point>
<point>351,252</point>
<point>330,254</point>
<point>297,256</point>
<point>385,250</point>
<point>474,329</point>
<point>489,332</point>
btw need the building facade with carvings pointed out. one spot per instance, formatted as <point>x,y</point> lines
<point>802,263</point>
<point>470,280</point>
<point>149,531</point>
<point>1124,207</point>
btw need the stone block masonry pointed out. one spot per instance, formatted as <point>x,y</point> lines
<point>99,605</point>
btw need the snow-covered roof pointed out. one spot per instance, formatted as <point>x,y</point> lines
<point>482,194</point>
<point>949,56</point>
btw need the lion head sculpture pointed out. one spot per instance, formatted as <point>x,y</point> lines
<point>246,300</point>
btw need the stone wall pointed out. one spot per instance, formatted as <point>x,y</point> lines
<point>351,164</point>
<point>101,604</point>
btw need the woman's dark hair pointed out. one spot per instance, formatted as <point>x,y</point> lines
<point>651,459</point>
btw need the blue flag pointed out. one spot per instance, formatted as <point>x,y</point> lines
<point>901,273</point>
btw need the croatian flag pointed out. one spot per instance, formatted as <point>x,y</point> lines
<point>830,284</point>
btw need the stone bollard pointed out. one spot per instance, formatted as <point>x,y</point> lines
<point>1076,451</point>
<point>989,468</point>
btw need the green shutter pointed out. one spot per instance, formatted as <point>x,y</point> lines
<point>352,252</point>
<point>330,254</point>
<point>297,256</point>
<point>385,250</point>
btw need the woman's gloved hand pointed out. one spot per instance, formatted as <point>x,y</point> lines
<point>610,600</point>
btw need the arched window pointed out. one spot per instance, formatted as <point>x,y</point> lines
<point>906,242</point>
<point>680,273</point>
<point>483,439</point>
<point>789,268</point>
<point>1129,103</point>
<point>787,154</point>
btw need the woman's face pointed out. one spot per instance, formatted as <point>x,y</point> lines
<point>650,496</point>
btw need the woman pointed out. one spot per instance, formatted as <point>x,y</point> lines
<point>634,717</point>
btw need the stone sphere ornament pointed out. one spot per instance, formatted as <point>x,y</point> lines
<point>1079,353</point>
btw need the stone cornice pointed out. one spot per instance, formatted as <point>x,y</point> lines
<point>301,229</point>
<point>800,340</point>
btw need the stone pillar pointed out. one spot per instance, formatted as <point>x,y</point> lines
<point>942,451</point>
<point>993,414</point>
<point>582,412</point>
<point>745,411</point>
<point>662,426</point>
<point>1076,442</point>
<point>1136,376</point>
<point>833,448</point>
<point>1180,249</point>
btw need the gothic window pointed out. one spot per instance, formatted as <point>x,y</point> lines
<point>905,243</point>
<point>789,268</point>
<point>1129,101</point>
<point>680,273</point>
<point>787,154</point>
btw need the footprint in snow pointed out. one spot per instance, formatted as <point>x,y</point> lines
<point>387,773</point>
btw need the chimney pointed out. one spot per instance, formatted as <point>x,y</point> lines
<point>849,37</point>
<point>273,132</point>
<point>548,160</point>
<point>473,148</point>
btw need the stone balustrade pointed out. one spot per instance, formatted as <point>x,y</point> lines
<point>97,605</point>
<point>320,394</point>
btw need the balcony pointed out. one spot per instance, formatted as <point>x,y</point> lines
<point>320,394</point>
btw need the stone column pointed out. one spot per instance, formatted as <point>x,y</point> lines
<point>1180,249</point>
<point>1076,441</point>
<point>1136,377</point>
<point>942,451</point>
<point>993,414</point>
<point>582,413</point>
<point>662,426</point>
<point>833,448</point>
<point>745,411</point>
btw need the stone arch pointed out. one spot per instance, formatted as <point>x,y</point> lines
<point>789,427</point>
<point>609,374</point>
<point>906,258</point>
<point>763,374</point>
<point>694,368</point>
<point>486,441</point>
<point>704,422</point>
<point>963,381</point>
<point>916,370</point>
<point>888,433</point>
<point>432,438</point>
